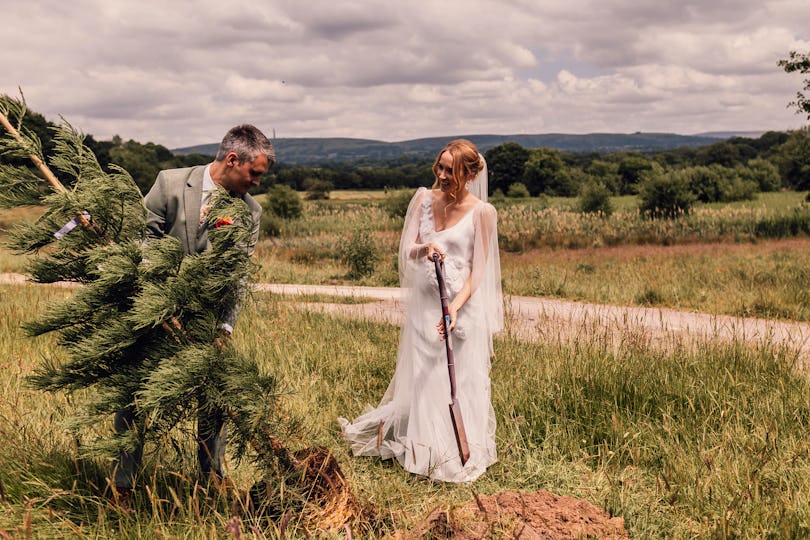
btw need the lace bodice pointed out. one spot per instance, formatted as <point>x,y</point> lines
<point>457,243</point>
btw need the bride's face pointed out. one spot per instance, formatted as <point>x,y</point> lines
<point>444,172</point>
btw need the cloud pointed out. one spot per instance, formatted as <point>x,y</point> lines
<point>181,73</point>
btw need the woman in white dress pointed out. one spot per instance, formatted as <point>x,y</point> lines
<point>412,422</point>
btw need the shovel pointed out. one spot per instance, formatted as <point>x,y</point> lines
<point>455,408</point>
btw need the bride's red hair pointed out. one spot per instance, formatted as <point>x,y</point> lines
<point>466,163</point>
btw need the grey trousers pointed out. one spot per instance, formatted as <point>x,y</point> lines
<point>211,438</point>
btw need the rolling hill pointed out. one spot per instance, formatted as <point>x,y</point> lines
<point>319,150</point>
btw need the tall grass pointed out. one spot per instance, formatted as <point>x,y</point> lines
<point>522,228</point>
<point>767,279</point>
<point>683,442</point>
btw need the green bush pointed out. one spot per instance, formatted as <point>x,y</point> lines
<point>318,189</point>
<point>763,173</point>
<point>360,254</point>
<point>708,183</point>
<point>396,202</point>
<point>284,202</point>
<point>606,173</point>
<point>666,195</point>
<point>594,198</point>
<point>270,224</point>
<point>715,183</point>
<point>740,189</point>
<point>518,190</point>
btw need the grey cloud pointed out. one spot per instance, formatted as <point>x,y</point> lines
<point>342,20</point>
<point>181,73</point>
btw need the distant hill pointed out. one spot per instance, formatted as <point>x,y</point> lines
<point>730,134</point>
<point>319,150</point>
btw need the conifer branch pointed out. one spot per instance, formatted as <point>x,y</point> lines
<point>43,168</point>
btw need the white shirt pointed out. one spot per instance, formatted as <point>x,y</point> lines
<point>208,187</point>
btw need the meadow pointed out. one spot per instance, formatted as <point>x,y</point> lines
<point>722,452</point>
<point>743,259</point>
<point>702,440</point>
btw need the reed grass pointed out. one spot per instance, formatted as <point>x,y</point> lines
<point>766,279</point>
<point>683,440</point>
<point>744,258</point>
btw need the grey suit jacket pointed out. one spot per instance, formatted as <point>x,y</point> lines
<point>173,208</point>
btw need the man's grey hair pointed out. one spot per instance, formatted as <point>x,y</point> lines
<point>247,142</point>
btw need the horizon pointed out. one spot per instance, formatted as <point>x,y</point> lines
<point>719,134</point>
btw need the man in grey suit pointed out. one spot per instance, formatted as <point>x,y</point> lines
<point>176,206</point>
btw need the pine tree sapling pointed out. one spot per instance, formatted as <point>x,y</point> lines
<point>140,333</point>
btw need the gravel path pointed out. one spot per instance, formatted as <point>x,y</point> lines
<point>540,318</point>
<point>531,318</point>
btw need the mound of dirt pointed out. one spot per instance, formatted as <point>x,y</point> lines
<point>526,516</point>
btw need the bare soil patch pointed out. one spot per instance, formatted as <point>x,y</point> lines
<point>527,516</point>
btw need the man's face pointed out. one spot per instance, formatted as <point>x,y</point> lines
<point>240,177</point>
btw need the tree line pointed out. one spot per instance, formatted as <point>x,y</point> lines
<point>725,170</point>
<point>731,169</point>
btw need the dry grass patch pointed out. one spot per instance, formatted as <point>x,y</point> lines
<point>769,279</point>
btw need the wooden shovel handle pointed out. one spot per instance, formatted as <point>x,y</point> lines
<point>448,341</point>
<point>455,408</point>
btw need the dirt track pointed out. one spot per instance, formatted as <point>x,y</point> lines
<point>540,318</point>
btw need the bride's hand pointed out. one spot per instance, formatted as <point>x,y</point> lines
<point>429,249</point>
<point>453,315</point>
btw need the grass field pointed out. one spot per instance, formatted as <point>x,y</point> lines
<point>681,442</point>
<point>767,279</point>
<point>713,261</point>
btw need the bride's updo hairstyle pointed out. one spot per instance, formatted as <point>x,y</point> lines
<point>466,163</point>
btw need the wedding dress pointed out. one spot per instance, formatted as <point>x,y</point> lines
<point>412,423</point>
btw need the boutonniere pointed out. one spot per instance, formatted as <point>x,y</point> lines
<point>227,220</point>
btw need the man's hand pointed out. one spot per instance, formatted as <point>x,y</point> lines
<point>222,339</point>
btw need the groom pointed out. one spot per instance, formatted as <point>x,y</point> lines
<point>176,206</point>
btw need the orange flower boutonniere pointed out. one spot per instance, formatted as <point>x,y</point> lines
<point>227,220</point>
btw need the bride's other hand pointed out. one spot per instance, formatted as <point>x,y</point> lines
<point>440,328</point>
<point>440,325</point>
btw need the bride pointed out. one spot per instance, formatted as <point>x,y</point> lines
<point>412,422</point>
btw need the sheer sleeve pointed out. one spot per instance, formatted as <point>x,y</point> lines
<point>486,266</point>
<point>410,241</point>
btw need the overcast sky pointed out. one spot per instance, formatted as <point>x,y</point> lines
<point>181,73</point>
